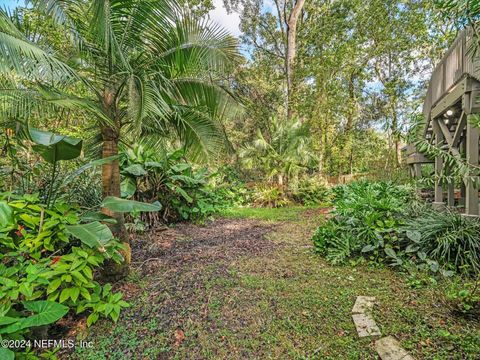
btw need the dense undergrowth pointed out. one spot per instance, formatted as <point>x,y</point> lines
<point>49,261</point>
<point>384,223</point>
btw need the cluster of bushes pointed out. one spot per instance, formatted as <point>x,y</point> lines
<point>191,193</point>
<point>184,191</point>
<point>307,191</point>
<point>51,249</point>
<point>49,257</point>
<point>382,222</point>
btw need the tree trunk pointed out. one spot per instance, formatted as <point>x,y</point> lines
<point>396,136</point>
<point>291,52</point>
<point>111,187</point>
<point>280,180</point>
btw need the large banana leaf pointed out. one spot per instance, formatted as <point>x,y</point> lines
<point>93,234</point>
<point>53,147</point>
<point>127,206</point>
<point>128,188</point>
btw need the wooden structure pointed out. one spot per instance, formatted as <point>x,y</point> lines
<point>453,97</point>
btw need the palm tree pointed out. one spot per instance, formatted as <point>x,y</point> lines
<point>140,68</point>
<point>281,155</point>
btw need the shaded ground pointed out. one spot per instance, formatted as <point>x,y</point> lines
<point>254,289</point>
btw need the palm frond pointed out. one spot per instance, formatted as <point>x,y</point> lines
<point>27,59</point>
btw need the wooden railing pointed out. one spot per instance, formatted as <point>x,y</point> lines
<point>457,62</point>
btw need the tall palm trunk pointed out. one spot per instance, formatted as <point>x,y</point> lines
<point>111,187</point>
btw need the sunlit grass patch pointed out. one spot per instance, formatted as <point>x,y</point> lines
<point>288,213</point>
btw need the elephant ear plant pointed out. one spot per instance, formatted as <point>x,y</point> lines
<point>54,148</point>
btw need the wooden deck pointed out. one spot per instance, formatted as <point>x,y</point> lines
<point>452,98</point>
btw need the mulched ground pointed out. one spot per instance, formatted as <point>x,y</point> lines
<point>193,245</point>
<point>179,262</point>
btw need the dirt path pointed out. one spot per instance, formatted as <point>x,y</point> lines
<point>250,289</point>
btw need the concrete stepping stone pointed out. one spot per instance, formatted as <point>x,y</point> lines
<point>388,348</point>
<point>363,304</point>
<point>365,325</point>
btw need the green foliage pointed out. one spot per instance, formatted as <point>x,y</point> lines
<point>25,170</point>
<point>15,323</point>
<point>365,220</point>
<point>266,195</point>
<point>182,190</point>
<point>464,295</point>
<point>119,205</point>
<point>311,191</point>
<point>48,259</point>
<point>447,237</point>
<point>383,223</point>
<point>282,154</point>
<point>53,147</point>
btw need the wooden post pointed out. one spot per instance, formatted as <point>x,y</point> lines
<point>450,190</point>
<point>439,204</point>
<point>417,170</point>
<point>463,188</point>
<point>472,138</point>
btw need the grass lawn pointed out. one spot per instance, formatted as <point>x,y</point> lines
<point>251,287</point>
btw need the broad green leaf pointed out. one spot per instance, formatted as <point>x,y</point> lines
<point>135,169</point>
<point>413,235</point>
<point>127,206</point>
<point>422,255</point>
<point>54,285</point>
<point>74,294</point>
<point>7,354</point>
<point>128,188</point>
<point>65,294</point>
<point>53,147</point>
<point>92,234</point>
<point>6,214</point>
<point>26,289</point>
<point>6,320</point>
<point>184,194</point>
<point>98,216</point>
<point>92,318</point>
<point>391,253</point>
<point>411,248</point>
<point>46,312</point>
<point>368,248</point>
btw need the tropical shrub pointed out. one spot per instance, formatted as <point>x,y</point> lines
<point>183,191</point>
<point>366,220</point>
<point>383,222</point>
<point>311,191</point>
<point>48,260</point>
<point>266,195</point>
<point>227,184</point>
<point>282,154</point>
<point>451,239</point>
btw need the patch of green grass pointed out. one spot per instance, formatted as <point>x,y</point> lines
<point>288,213</point>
